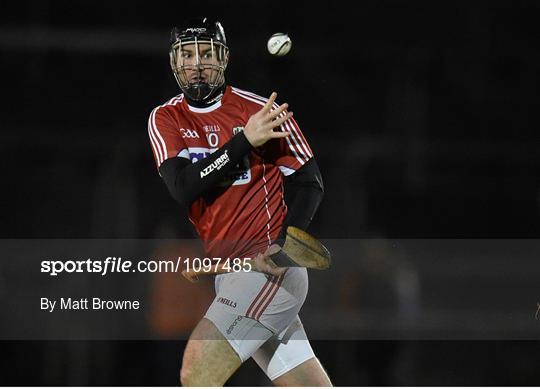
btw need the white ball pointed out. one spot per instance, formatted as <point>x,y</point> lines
<point>279,44</point>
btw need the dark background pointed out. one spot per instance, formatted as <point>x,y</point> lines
<point>422,116</point>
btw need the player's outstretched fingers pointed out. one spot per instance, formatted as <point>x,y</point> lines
<point>279,110</point>
<point>268,106</point>
<point>279,134</point>
<point>260,126</point>
<point>282,119</point>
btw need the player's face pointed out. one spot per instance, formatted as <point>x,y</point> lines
<point>200,63</point>
<point>199,67</point>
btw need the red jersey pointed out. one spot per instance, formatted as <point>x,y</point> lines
<point>244,215</point>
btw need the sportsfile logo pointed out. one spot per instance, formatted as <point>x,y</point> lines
<point>216,165</point>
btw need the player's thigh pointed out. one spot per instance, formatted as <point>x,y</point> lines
<point>245,335</point>
<point>208,358</point>
<point>308,373</point>
<point>288,359</point>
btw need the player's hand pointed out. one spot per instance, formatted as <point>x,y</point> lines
<point>260,126</point>
<point>264,264</point>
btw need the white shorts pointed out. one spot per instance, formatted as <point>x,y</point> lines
<point>272,301</point>
<point>283,352</point>
<point>258,315</point>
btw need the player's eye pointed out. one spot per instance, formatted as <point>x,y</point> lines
<point>186,55</point>
<point>207,55</point>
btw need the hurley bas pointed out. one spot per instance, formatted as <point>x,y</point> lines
<point>96,304</point>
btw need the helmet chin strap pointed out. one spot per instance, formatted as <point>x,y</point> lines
<point>196,93</point>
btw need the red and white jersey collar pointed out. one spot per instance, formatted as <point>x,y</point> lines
<point>211,107</point>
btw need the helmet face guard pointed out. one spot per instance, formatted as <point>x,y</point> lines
<point>198,59</point>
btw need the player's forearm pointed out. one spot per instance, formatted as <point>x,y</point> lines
<point>305,205</point>
<point>304,190</point>
<point>187,181</point>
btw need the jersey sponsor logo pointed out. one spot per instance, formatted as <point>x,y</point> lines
<point>187,133</point>
<point>211,128</point>
<point>226,302</point>
<point>216,165</point>
<point>198,153</point>
<point>242,173</point>
<point>239,176</point>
